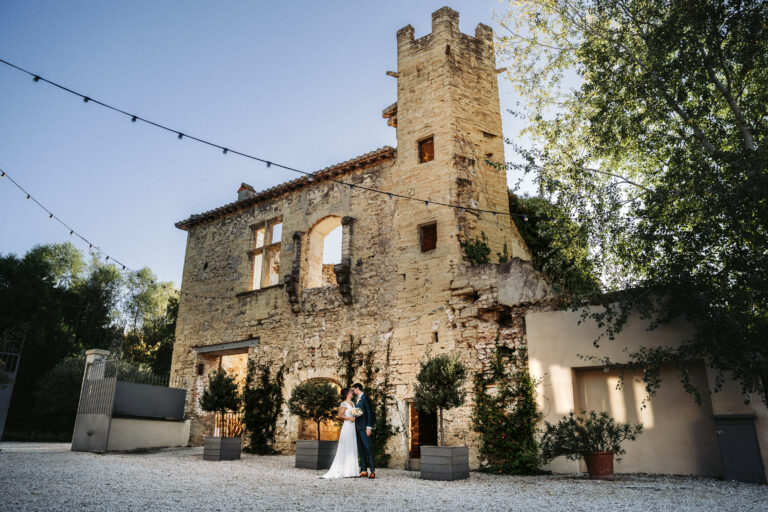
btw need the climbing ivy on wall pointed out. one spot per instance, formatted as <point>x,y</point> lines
<point>506,418</point>
<point>262,403</point>
<point>378,388</point>
<point>476,250</point>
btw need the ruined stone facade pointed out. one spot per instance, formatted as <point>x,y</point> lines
<point>282,306</point>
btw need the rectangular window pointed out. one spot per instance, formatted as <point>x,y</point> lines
<point>427,150</point>
<point>428,237</point>
<point>264,253</point>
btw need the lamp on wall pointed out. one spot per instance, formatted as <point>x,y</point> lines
<point>200,368</point>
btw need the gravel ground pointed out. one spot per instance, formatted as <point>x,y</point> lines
<point>37,476</point>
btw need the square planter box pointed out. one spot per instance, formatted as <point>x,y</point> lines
<point>315,454</point>
<point>444,462</point>
<point>222,448</point>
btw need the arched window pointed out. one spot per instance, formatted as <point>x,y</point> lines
<point>323,252</point>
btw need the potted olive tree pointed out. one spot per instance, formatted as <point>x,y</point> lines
<point>439,387</point>
<point>595,436</point>
<point>219,397</point>
<point>318,401</point>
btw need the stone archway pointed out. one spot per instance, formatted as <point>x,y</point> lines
<point>329,430</point>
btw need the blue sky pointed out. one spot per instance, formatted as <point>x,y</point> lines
<point>302,83</point>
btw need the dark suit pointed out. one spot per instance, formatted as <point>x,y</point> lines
<point>365,420</point>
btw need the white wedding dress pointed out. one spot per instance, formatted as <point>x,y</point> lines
<point>345,463</point>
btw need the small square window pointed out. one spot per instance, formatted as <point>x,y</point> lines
<point>427,150</point>
<point>428,237</point>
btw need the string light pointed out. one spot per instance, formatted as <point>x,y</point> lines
<point>225,150</point>
<point>93,249</point>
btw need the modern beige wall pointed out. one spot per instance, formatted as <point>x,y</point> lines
<point>679,436</point>
<point>134,434</point>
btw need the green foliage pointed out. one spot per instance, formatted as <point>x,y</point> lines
<point>262,403</point>
<point>506,419</point>
<point>152,344</point>
<point>379,390</point>
<point>649,125</point>
<point>476,251</point>
<point>58,394</point>
<point>220,394</point>
<point>559,246</point>
<point>350,362</point>
<point>315,400</point>
<point>439,386</point>
<point>590,432</point>
<point>72,305</point>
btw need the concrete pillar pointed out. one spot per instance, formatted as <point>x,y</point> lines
<point>95,355</point>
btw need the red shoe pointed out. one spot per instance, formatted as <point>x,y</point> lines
<point>372,476</point>
<point>363,474</point>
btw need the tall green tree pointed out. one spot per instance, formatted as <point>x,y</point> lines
<point>649,123</point>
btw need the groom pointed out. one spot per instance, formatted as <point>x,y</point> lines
<point>363,427</point>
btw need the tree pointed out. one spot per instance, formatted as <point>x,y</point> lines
<point>58,394</point>
<point>262,403</point>
<point>559,246</point>
<point>315,400</point>
<point>658,153</point>
<point>220,395</point>
<point>506,418</point>
<point>440,386</point>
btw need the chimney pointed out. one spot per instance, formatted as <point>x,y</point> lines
<point>245,192</point>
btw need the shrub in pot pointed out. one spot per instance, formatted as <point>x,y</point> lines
<point>596,437</point>
<point>318,401</point>
<point>220,396</point>
<point>439,387</point>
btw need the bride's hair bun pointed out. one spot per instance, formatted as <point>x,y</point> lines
<point>345,392</point>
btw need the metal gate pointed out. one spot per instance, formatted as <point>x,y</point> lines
<point>11,345</point>
<point>94,411</point>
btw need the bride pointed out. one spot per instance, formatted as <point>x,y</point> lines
<point>345,463</point>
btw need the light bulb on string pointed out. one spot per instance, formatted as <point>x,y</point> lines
<point>28,196</point>
<point>181,135</point>
<point>224,151</point>
<point>50,216</point>
<point>269,164</point>
<point>525,218</point>
<point>36,78</point>
<point>133,119</point>
<point>2,175</point>
<point>86,99</point>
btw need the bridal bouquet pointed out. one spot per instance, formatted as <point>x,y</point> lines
<point>356,412</point>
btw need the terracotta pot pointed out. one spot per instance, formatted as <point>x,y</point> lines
<point>599,465</point>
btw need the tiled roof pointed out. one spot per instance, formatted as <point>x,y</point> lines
<point>334,171</point>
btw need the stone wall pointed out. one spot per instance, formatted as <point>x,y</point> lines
<point>389,292</point>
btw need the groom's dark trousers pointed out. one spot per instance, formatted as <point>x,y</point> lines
<point>364,448</point>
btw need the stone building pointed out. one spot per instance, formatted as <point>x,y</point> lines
<point>255,284</point>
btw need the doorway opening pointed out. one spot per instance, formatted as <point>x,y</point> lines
<point>423,430</point>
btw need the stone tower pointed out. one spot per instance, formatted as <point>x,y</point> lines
<point>447,91</point>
